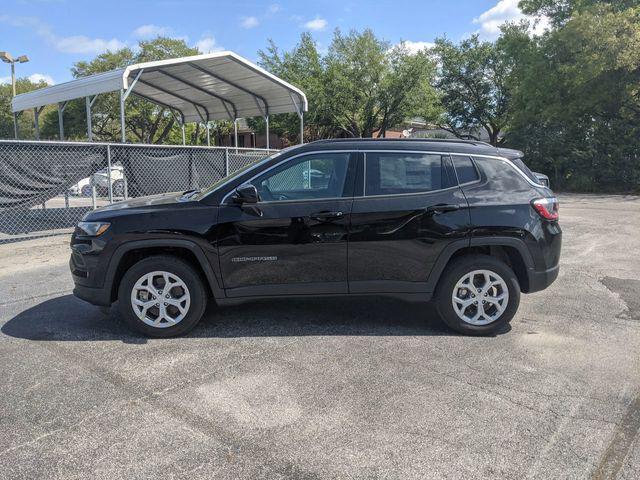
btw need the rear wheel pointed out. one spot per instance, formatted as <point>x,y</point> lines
<point>162,296</point>
<point>477,295</point>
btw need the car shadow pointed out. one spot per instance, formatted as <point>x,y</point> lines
<point>67,318</point>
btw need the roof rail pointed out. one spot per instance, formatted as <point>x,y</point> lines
<point>434,140</point>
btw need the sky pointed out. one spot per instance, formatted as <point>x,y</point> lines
<point>57,33</point>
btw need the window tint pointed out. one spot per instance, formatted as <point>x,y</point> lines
<point>465,169</point>
<point>321,175</point>
<point>397,173</point>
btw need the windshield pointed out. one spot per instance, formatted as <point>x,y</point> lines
<point>206,191</point>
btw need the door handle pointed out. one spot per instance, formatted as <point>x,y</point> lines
<point>326,215</point>
<point>441,208</point>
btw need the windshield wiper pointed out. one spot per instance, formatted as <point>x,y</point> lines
<point>191,193</point>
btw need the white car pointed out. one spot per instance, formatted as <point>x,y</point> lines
<point>101,180</point>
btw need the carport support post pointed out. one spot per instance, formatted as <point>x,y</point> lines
<point>122,130</point>
<point>235,134</point>
<point>87,102</point>
<point>36,122</point>
<point>266,121</point>
<point>61,106</point>
<point>208,135</point>
<point>15,125</point>
<point>301,128</point>
<point>123,97</point>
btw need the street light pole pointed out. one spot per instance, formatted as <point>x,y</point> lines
<point>13,77</point>
<point>6,57</point>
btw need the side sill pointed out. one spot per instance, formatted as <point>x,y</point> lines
<point>405,297</point>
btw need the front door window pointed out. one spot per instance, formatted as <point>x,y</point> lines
<point>311,177</point>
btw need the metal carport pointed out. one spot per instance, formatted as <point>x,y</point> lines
<point>201,88</point>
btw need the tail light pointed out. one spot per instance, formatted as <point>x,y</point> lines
<point>547,208</point>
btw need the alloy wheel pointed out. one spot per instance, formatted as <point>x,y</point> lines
<point>480,297</point>
<point>160,299</point>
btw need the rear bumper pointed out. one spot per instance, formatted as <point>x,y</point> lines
<point>539,280</point>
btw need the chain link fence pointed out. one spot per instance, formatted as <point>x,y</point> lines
<point>47,187</point>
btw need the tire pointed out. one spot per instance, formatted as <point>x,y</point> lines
<point>118,188</point>
<point>187,297</point>
<point>498,312</point>
<point>86,191</point>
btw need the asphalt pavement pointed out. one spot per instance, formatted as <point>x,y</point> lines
<point>343,388</point>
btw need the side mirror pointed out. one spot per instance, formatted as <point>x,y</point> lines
<point>246,194</point>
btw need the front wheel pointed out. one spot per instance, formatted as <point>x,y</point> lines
<point>162,296</point>
<point>477,295</point>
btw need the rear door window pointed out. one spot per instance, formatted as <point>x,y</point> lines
<point>397,173</point>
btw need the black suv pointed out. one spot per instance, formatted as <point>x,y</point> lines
<point>464,223</point>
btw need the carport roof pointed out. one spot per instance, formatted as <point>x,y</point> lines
<point>214,86</point>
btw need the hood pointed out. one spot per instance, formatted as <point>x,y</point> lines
<point>139,204</point>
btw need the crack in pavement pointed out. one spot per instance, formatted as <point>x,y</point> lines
<point>623,437</point>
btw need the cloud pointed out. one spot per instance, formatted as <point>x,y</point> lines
<point>41,77</point>
<point>4,80</point>
<point>208,44</point>
<point>506,11</point>
<point>274,8</point>
<point>150,31</point>
<point>82,44</point>
<point>316,24</point>
<point>415,47</point>
<point>249,22</point>
<point>71,44</point>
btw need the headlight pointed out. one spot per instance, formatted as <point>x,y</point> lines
<point>94,229</point>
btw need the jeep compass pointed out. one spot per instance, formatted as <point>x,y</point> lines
<point>463,224</point>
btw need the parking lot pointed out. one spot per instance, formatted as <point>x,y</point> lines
<point>341,388</point>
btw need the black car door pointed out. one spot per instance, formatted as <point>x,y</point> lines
<point>411,208</point>
<point>294,240</point>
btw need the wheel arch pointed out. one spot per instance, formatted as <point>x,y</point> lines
<point>130,253</point>
<point>512,251</point>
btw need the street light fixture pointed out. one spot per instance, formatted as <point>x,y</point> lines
<point>6,57</point>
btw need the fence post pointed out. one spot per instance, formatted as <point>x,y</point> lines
<point>226,162</point>
<point>93,197</point>
<point>109,184</point>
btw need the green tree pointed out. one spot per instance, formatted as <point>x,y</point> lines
<point>25,119</point>
<point>303,67</point>
<point>576,97</point>
<point>473,81</point>
<point>359,87</point>
<point>560,11</point>
<point>370,86</point>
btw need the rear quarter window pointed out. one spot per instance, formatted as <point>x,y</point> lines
<point>518,162</point>
<point>502,176</point>
<point>465,169</point>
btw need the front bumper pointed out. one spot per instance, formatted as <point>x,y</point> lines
<point>88,275</point>
<point>95,296</point>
